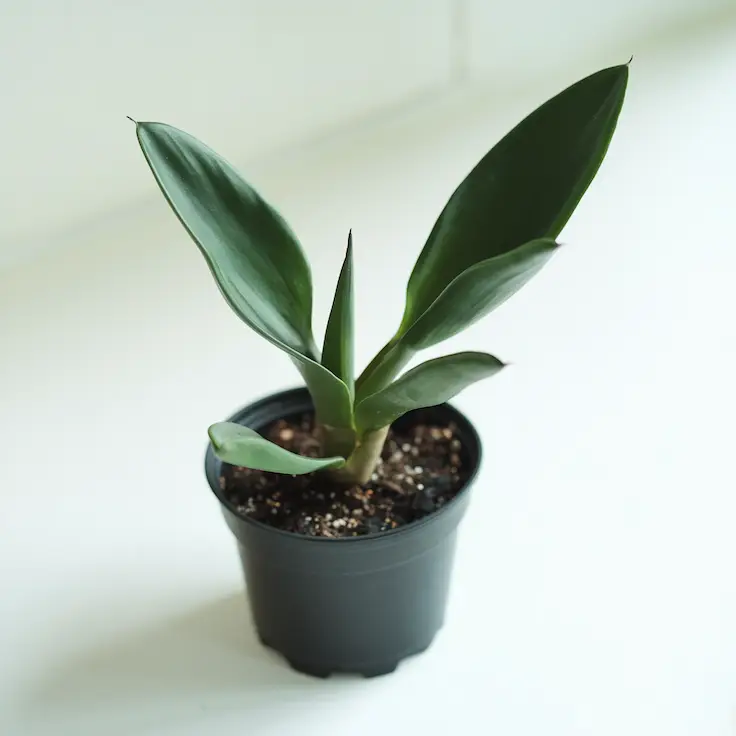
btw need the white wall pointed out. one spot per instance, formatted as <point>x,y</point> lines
<point>253,77</point>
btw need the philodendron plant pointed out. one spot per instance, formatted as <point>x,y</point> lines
<point>497,230</point>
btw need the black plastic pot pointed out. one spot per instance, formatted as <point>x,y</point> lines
<point>358,605</point>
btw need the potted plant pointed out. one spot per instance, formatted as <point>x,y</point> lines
<point>345,495</point>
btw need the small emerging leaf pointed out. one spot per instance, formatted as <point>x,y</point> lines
<point>337,354</point>
<point>242,446</point>
<point>429,384</point>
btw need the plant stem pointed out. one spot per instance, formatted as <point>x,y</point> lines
<point>364,458</point>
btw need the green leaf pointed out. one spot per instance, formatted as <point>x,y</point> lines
<point>244,447</point>
<point>253,254</point>
<point>255,258</point>
<point>383,368</point>
<point>337,354</point>
<point>429,384</point>
<point>525,188</point>
<point>333,403</point>
<point>468,298</point>
<point>476,292</point>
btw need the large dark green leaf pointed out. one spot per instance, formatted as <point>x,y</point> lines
<point>244,447</point>
<point>430,383</point>
<point>468,298</point>
<point>337,354</point>
<point>525,188</point>
<point>255,258</point>
<point>254,254</point>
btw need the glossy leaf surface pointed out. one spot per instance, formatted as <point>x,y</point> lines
<point>253,254</point>
<point>256,260</point>
<point>526,187</point>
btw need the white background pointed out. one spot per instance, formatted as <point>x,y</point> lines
<point>594,590</point>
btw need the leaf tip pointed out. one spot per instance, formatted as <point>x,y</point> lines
<point>211,433</point>
<point>131,119</point>
<point>217,437</point>
<point>628,63</point>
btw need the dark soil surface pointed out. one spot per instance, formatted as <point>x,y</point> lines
<point>421,469</point>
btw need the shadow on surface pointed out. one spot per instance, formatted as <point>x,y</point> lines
<point>178,669</point>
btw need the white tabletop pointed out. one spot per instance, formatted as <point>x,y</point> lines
<point>594,591</point>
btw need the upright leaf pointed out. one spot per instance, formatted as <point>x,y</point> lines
<point>244,447</point>
<point>429,384</point>
<point>255,258</point>
<point>525,188</point>
<point>337,354</point>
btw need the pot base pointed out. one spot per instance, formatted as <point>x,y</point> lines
<point>323,671</point>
